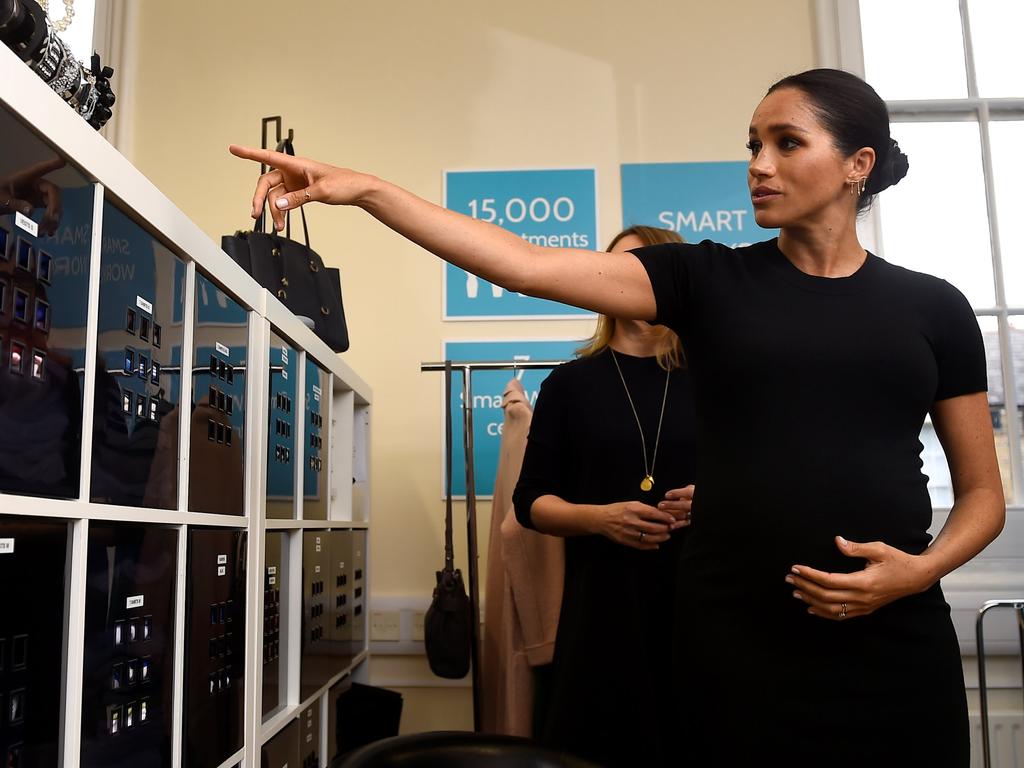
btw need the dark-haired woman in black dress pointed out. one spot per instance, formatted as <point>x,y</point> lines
<point>812,630</point>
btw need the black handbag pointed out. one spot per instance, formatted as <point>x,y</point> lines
<point>446,625</point>
<point>294,273</point>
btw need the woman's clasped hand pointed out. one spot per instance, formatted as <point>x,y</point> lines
<point>641,526</point>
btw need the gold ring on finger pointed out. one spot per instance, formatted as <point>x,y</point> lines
<point>307,195</point>
<point>641,535</point>
<point>842,611</point>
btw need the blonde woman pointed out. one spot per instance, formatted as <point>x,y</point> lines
<point>609,466</point>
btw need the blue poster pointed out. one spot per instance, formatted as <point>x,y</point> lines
<point>556,208</point>
<point>487,387</point>
<point>700,201</point>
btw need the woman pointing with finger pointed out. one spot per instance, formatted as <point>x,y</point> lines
<point>811,628</point>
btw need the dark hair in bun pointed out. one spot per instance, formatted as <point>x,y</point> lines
<point>856,116</point>
<point>888,170</point>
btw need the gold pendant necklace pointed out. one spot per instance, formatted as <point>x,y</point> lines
<point>648,482</point>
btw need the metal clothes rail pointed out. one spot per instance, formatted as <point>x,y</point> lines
<point>467,369</point>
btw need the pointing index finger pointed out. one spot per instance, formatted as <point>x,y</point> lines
<point>265,156</point>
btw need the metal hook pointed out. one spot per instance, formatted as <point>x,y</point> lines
<point>286,142</point>
<point>266,121</point>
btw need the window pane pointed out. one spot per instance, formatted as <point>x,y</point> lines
<point>935,220</point>
<point>1017,350</point>
<point>998,58</point>
<point>940,487</point>
<point>913,49</point>
<point>1008,165</point>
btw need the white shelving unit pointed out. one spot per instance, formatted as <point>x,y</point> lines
<point>346,405</point>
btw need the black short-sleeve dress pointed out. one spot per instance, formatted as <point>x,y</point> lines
<point>810,397</point>
<point>609,696</point>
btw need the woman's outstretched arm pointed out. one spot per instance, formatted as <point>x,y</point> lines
<point>606,283</point>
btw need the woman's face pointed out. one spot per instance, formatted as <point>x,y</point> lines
<point>796,175</point>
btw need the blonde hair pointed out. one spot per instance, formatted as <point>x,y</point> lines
<point>669,350</point>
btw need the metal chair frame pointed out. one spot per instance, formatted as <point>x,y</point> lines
<point>1018,606</point>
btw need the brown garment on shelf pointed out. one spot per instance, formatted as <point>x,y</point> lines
<point>525,570</point>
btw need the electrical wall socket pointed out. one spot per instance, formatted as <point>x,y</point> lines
<point>417,626</point>
<point>386,625</point>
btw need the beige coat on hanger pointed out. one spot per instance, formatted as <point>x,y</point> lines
<point>523,595</point>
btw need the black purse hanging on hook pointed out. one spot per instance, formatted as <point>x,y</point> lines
<point>294,273</point>
<point>446,625</point>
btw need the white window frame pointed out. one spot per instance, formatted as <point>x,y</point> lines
<point>839,45</point>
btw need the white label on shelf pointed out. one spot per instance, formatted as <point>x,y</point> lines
<point>144,305</point>
<point>317,547</point>
<point>284,374</point>
<point>272,570</point>
<point>284,354</point>
<point>24,222</point>
<point>316,569</point>
<point>6,546</point>
<point>136,601</point>
<point>223,350</point>
<point>272,580</point>
<point>317,391</point>
<point>222,559</point>
<point>309,737</point>
<point>222,570</point>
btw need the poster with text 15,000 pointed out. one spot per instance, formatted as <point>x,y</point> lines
<point>554,207</point>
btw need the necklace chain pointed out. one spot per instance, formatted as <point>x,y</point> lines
<point>648,482</point>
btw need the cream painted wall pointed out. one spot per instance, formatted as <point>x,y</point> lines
<point>407,88</point>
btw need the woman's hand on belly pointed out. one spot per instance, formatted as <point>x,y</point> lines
<point>890,574</point>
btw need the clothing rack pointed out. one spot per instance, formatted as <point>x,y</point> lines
<point>467,369</point>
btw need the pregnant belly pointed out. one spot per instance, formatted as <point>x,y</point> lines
<point>746,544</point>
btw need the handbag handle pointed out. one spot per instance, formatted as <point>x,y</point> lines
<point>449,551</point>
<point>288,148</point>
